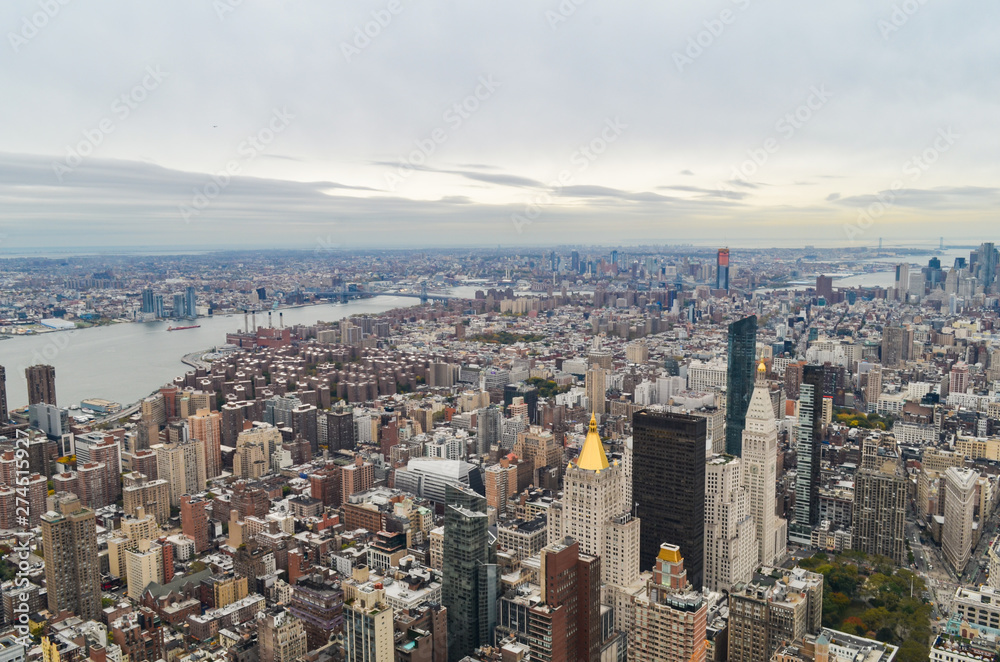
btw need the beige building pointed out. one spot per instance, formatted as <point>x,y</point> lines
<point>368,632</point>
<point>760,464</point>
<point>144,565</point>
<point>152,496</point>
<point>932,465</point>
<point>730,533</point>
<point>987,448</point>
<point>254,448</point>
<point>281,637</point>
<point>594,513</point>
<point>597,389</point>
<point>437,548</point>
<point>206,427</point>
<point>959,508</point>
<point>637,352</point>
<point>182,465</point>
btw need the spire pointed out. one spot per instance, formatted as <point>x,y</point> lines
<point>592,457</point>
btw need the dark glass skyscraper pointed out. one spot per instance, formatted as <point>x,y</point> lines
<point>471,576</point>
<point>739,384</point>
<point>668,486</point>
<point>808,437</point>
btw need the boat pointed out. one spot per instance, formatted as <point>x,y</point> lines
<point>181,328</point>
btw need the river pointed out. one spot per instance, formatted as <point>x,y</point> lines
<point>125,362</point>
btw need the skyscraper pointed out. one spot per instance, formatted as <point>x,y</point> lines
<point>760,460</point>
<point>668,486</point>
<point>4,414</point>
<point>471,580</point>
<point>72,567</point>
<point>206,428</point>
<point>893,348</point>
<point>722,270</point>
<point>190,303</point>
<point>596,389</point>
<point>572,583</point>
<point>739,383</point>
<point>594,512</point>
<point>41,384</point>
<point>194,521</point>
<point>670,619</point>
<point>730,534</point>
<point>959,508</point>
<point>808,438</point>
<point>879,513</point>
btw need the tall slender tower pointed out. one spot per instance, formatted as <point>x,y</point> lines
<point>72,567</point>
<point>4,415</point>
<point>808,437</point>
<point>739,382</point>
<point>760,460</point>
<point>206,427</point>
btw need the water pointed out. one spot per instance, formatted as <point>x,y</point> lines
<point>125,362</point>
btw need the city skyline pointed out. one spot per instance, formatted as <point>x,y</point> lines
<point>738,121</point>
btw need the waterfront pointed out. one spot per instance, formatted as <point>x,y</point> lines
<point>125,362</point>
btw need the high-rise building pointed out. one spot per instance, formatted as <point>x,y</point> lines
<point>194,521</point>
<point>572,585</point>
<point>182,465</point>
<point>4,414</point>
<point>190,303</point>
<point>596,389</point>
<point>739,384</point>
<point>668,486</point>
<point>769,612</point>
<point>41,384</point>
<point>670,618</point>
<point>760,460</point>
<point>873,390</point>
<point>808,440</point>
<point>368,633</point>
<point>356,477</point>
<point>880,495</point>
<point>471,577</point>
<point>893,349</point>
<point>143,566</point>
<point>730,534</point>
<point>501,484</point>
<point>959,508</point>
<point>72,567</point>
<point>206,428</point>
<point>490,429</point>
<point>824,288</point>
<point>722,269</point>
<point>280,636</point>
<point>594,513</point>
<point>958,378</point>
<point>902,282</point>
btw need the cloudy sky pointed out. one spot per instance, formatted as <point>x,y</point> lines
<point>422,122</point>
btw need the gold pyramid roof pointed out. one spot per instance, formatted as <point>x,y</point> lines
<point>592,457</point>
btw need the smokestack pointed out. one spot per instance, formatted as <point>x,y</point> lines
<point>254,316</point>
<point>269,325</point>
<point>281,320</point>
<point>246,324</point>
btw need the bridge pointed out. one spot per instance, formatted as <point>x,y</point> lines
<point>424,295</point>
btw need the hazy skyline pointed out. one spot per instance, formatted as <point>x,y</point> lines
<point>516,124</point>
